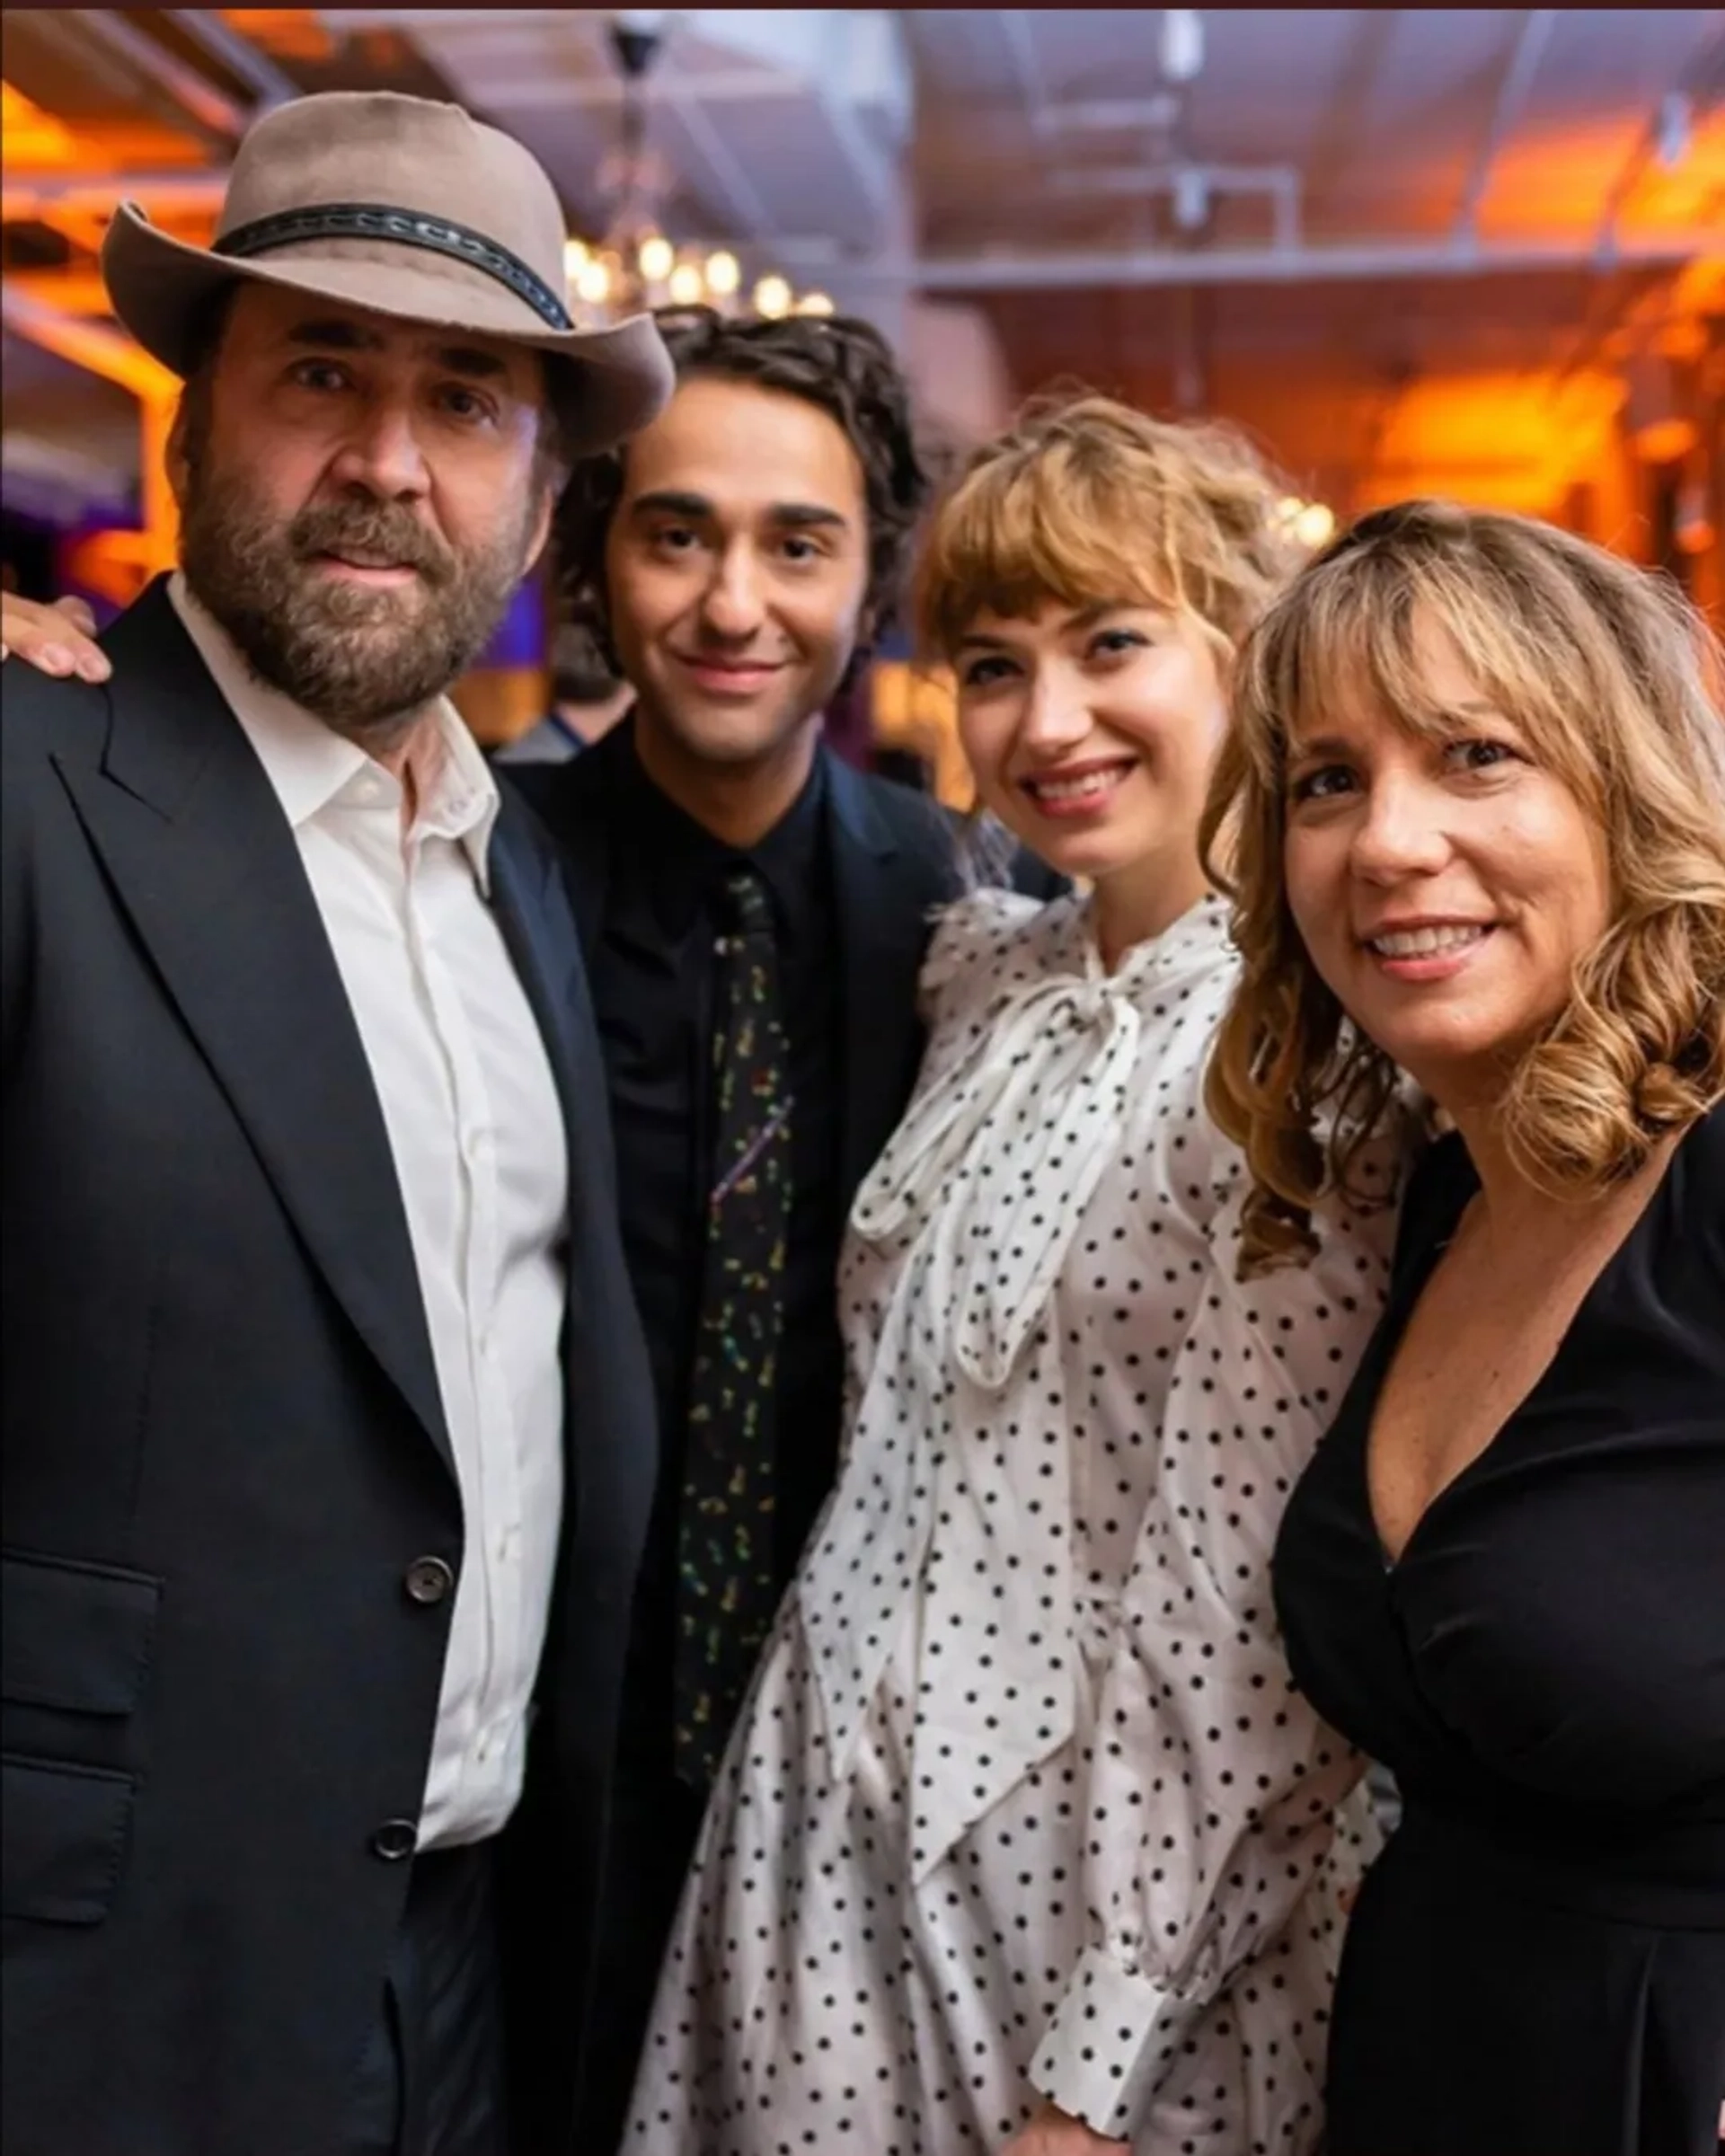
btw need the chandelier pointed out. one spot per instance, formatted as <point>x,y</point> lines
<point>635,265</point>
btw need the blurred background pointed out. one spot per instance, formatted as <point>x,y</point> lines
<point>1478,252</point>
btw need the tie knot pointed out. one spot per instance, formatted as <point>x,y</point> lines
<point>747,910</point>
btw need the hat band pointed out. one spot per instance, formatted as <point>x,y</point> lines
<point>405,228</point>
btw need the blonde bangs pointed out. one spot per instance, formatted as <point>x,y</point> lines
<point>1087,502</point>
<point>1538,659</point>
<point>1020,532</point>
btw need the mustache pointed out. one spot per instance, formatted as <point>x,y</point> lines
<point>371,528</point>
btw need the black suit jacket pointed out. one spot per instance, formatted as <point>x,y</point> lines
<point>222,1446</point>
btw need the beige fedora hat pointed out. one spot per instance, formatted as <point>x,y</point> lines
<point>404,207</point>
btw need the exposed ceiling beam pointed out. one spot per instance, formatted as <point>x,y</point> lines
<point>1020,51</point>
<point>487,18</point>
<point>1703,79</point>
<point>210,111</point>
<point>1265,265</point>
<point>741,197</point>
<point>1279,184</point>
<point>725,86</point>
<point>97,193</point>
<point>870,167</point>
<point>91,345</point>
<point>207,29</point>
<point>1111,115</point>
<point>1529,48</point>
<point>67,291</point>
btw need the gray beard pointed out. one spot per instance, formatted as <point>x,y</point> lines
<point>365,662</point>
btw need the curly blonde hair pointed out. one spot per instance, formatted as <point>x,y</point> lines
<point>1086,501</point>
<point>1615,681</point>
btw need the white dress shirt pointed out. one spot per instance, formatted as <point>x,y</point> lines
<point>477,1137</point>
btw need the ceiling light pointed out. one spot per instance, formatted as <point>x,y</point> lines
<point>637,263</point>
<point>1182,44</point>
<point>1312,523</point>
<point>1315,526</point>
<point>656,258</point>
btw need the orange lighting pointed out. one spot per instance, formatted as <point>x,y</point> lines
<point>1664,441</point>
<point>115,565</point>
<point>35,145</point>
<point>114,356</point>
<point>32,137</point>
<point>1660,416</point>
<point>291,33</point>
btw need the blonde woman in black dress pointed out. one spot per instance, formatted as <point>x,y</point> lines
<point>1479,776</point>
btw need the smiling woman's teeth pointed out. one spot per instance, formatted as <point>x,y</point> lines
<point>1076,789</point>
<point>1419,943</point>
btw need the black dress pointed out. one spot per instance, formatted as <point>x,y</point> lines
<point>1536,1964</point>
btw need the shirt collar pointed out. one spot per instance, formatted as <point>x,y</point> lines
<point>685,863</point>
<point>311,767</point>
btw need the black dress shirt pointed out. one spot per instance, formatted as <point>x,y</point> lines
<point>856,871</point>
<point>653,975</point>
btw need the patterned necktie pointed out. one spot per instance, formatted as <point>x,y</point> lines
<point>726,1585</point>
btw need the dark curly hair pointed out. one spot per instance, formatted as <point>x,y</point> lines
<point>843,366</point>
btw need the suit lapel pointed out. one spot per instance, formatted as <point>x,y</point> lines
<point>540,930</point>
<point>882,935</point>
<point>207,867</point>
<point>532,911</point>
<point>573,801</point>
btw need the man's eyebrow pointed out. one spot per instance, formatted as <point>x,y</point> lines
<point>468,359</point>
<point>336,335</point>
<point>670,501</point>
<point>789,516</point>
<point>805,514</point>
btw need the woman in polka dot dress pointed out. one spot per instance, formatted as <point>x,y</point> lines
<point>1025,1837</point>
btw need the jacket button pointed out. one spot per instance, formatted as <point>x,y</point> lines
<point>395,1839</point>
<point>429,1580</point>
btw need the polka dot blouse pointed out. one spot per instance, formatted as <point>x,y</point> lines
<point>1022,1802</point>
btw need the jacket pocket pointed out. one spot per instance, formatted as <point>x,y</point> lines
<point>75,1637</point>
<point>64,1841</point>
<point>75,1646</point>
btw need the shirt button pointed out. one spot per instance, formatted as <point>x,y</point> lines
<point>395,1839</point>
<point>428,1581</point>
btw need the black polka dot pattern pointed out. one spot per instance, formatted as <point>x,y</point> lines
<point>1023,1799</point>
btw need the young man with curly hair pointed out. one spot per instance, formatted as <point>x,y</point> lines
<point>735,562</point>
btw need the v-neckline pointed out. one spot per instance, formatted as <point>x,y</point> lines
<point>1407,1302</point>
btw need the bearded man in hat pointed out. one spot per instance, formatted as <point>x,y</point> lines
<point>328,1439</point>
